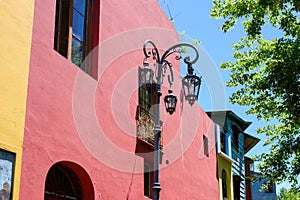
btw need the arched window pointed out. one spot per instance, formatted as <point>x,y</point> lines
<point>224,185</point>
<point>68,181</point>
<point>62,184</point>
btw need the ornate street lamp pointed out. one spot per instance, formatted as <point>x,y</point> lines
<point>170,102</point>
<point>191,83</point>
<point>146,74</point>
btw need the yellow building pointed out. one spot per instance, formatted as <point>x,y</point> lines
<point>225,176</point>
<point>16,19</point>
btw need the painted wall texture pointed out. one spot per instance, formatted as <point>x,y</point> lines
<point>72,117</point>
<point>16,19</point>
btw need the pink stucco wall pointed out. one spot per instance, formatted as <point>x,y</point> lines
<point>71,116</point>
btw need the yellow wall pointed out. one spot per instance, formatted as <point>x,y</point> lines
<point>16,19</point>
<point>225,163</point>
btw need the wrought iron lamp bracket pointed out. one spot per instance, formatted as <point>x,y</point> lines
<point>163,61</point>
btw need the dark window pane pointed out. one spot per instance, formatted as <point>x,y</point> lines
<point>62,27</point>
<point>147,186</point>
<point>78,26</point>
<point>235,136</point>
<point>205,145</point>
<point>62,183</point>
<point>224,184</point>
<point>80,6</point>
<point>57,15</point>
<point>77,52</point>
<point>223,142</point>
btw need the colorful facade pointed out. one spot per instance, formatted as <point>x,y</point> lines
<point>15,40</point>
<point>232,145</point>
<point>70,95</point>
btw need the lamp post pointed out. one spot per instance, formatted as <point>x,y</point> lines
<point>191,85</point>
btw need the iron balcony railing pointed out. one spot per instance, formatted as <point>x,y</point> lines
<point>145,125</point>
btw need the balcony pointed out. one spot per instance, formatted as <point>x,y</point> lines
<point>145,124</point>
<point>249,168</point>
<point>145,136</point>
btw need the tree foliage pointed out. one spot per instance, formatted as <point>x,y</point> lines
<point>288,194</point>
<point>266,75</point>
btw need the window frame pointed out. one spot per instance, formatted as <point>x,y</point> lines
<point>59,28</point>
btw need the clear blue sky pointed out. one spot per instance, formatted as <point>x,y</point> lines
<point>193,17</point>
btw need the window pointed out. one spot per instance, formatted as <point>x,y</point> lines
<point>68,181</point>
<point>147,96</point>
<point>73,29</point>
<point>148,179</point>
<point>223,142</point>
<point>62,183</point>
<point>205,146</point>
<point>251,167</point>
<point>224,185</point>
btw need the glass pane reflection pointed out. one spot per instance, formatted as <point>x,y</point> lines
<point>77,52</point>
<point>80,6</point>
<point>78,25</point>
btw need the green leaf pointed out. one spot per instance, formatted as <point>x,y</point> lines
<point>196,42</point>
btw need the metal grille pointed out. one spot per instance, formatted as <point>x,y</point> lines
<point>145,126</point>
<point>62,184</point>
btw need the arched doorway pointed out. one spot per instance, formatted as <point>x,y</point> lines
<point>68,181</point>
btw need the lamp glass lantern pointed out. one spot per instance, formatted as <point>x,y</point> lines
<point>146,74</point>
<point>191,87</point>
<point>170,102</point>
